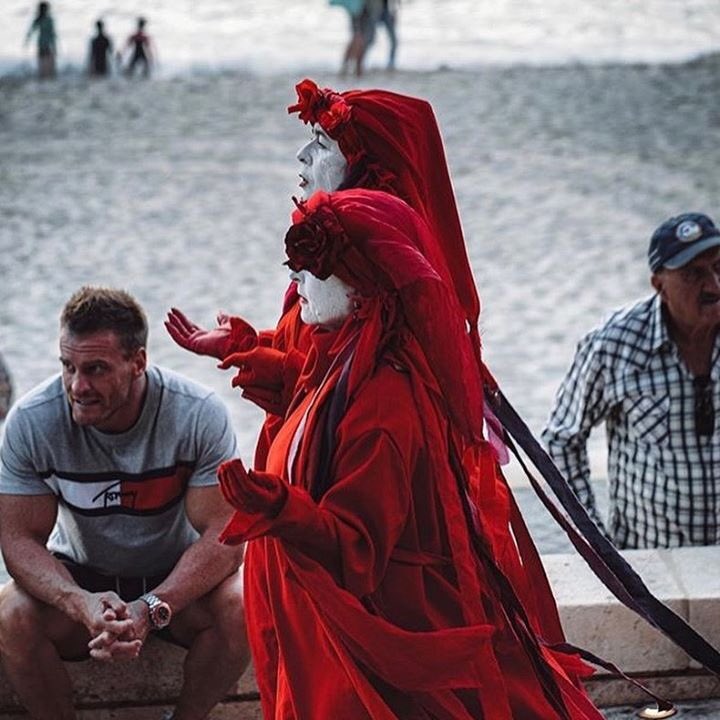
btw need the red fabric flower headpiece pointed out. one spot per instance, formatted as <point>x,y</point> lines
<point>316,243</point>
<point>331,111</point>
<point>325,107</point>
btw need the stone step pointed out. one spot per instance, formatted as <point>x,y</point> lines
<point>687,579</point>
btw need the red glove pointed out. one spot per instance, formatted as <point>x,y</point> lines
<point>267,376</point>
<point>231,334</point>
<point>262,366</point>
<point>250,491</point>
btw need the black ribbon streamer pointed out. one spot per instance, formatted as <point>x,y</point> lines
<point>600,554</point>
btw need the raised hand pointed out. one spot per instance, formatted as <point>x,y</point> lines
<point>230,335</point>
<point>251,491</point>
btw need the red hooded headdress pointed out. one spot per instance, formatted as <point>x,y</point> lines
<point>379,246</point>
<point>392,143</point>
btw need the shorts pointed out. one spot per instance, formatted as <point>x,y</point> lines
<point>128,588</point>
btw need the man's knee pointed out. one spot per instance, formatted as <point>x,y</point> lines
<point>226,604</point>
<point>220,612</point>
<point>19,617</point>
<point>26,623</point>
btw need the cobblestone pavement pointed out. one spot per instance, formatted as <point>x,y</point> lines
<point>698,710</point>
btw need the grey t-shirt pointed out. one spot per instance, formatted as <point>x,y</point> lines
<point>121,507</point>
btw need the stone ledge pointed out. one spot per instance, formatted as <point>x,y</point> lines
<point>140,689</point>
<point>688,579</point>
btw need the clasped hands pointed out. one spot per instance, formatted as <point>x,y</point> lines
<point>252,491</point>
<point>118,628</point>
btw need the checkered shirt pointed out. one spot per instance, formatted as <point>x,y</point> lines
<point>664,479</point>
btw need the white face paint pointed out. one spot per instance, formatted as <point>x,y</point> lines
<point>323,302</point>
<point>323,164</point>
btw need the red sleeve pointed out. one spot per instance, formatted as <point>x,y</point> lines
<point>357,523</point>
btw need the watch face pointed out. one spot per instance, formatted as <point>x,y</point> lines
<point>159,612</point>
<point>161,615</point>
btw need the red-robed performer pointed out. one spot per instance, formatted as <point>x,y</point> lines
<point>372,139</point>
<point>372,584</point>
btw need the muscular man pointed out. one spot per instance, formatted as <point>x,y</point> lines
<point>110,513</point>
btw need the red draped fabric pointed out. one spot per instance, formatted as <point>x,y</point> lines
<point>380,589</point>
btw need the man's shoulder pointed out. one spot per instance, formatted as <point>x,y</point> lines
<point>41,412</point>
<point>177,384</point>
<point>183,393</point>
<point>627,338</point>
<point>46,400</point>
<point>630,321</point>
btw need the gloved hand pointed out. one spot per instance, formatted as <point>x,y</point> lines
<point>232,334</point>
<point>261,366</point>
<point>251,491</point>
<point>267,376</point>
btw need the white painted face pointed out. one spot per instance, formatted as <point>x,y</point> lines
<point>323,302</point>
<point>323,166</point>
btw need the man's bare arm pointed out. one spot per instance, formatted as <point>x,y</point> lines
<point>25,525</point>
<point>206,563</point>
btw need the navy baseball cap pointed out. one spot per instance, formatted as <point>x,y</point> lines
<point>681,239</point>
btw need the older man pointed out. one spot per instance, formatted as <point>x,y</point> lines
<point>652,374</point>
<point>110,513</point>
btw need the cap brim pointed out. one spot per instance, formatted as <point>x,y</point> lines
<point>690,253</point>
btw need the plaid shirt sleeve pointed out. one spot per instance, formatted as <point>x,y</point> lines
<point>580,405</point>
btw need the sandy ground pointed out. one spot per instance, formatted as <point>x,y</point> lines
<point>180,191</point>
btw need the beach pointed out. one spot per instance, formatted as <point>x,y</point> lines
<point>179,189</point>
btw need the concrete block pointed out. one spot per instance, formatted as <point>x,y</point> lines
<point>247,710</point>
<point>607,691</point>
<point>697,571</point>
<point>155,677</point>
<point>594,619</point>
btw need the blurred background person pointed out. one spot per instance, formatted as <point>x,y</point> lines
<point>100,52</point>
<point>388,18</point>
<point>363,17</point>
<point>142,50</point>
<point>44,26</point>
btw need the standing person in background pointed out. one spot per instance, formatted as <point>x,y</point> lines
<point>46,40</point>
<point>362,24</point>
<point>651,374</point>
<point>100,52</point>
<point>142,51</point>
<point>388,17</point>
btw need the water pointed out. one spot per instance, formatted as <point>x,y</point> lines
<point>179,188</point>
<point>283,35</point>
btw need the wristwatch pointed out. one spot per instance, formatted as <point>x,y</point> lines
<point>159,611</point>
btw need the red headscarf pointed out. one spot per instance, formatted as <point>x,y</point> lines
<point>379,246</point>
<point>392,143</point>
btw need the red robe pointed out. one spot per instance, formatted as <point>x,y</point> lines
<point>370,602</point>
